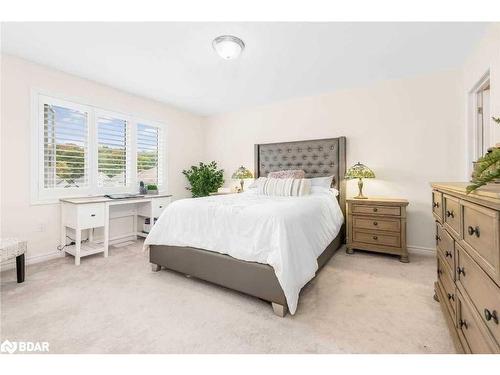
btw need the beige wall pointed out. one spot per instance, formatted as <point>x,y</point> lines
<point>39,224</point>
<point>486,57</point>
<point>410,132</point>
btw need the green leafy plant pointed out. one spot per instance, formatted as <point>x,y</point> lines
<point>487,168</point>
<point>204,179</point>
<point>152,187</point>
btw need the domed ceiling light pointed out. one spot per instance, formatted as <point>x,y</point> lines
<point>228,47</point>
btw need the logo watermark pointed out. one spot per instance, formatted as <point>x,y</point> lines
<point>12,347</point>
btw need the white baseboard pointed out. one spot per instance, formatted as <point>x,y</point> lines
<point>33,259</point>
<point>421,248</point>
<point>10,264</point>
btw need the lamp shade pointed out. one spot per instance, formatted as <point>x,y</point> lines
<point>359,170</point>
<point>242,173</point>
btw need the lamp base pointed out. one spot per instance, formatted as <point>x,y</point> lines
<point>360,187</point>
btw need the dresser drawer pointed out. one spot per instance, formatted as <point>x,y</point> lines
<point>483,292</point>
<point>159,205</point>
<point>448,287</point>
<point>452,214</point>
<point>481,232</point>
<point>437,205</point>
<point>375,209</point>
<point>376,223</point>
<point>446,247</point>
<point>377,238</point>
<point>469,328</point>
<point>91,215</point>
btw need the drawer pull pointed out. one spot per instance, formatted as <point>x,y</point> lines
<point>375,238</point>
<point>461,270</point>
<point>448,254</point>
<point>450,214</point>
<point>488,315</point>
<point>92,215</point>
<point>451,297</point>
<point>161,206</point>
<point>462,323</point>
<point>435,204</point>
<point>375,223</point>
<point>375,209</point>
<point>473,231</point>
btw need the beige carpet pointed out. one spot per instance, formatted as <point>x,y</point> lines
<point>361,303</point>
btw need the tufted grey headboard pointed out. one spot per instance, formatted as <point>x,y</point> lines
<point>317,158</point>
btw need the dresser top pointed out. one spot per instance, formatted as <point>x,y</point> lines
<point>488,191</point>
<point>379,200</point>
<point>102,198</point>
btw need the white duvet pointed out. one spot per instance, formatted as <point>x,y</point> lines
<point>288,233</point>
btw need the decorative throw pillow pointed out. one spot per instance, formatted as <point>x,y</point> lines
<point>256,183</point>
<point>325,182</point>
<point>285,187</point>
<point>291,173</point>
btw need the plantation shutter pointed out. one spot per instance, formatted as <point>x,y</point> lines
<point>149,149</point>
<point>113,154</point>
<point>65,143</point>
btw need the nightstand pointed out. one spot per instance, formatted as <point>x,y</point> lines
<point>377,224</point>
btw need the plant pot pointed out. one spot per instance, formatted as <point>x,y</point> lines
<point>153,192</point>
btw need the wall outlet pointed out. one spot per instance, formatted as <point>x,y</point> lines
<point>42,227</point>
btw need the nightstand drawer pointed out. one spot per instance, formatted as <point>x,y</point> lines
<point>377,238</point>
<point>376,223</point>
<point>375,209</point>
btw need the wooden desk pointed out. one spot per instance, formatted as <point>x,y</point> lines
<point>87,213</point>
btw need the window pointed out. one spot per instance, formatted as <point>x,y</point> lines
<point>148,154</point>
<point>65,147</point>
<point>113,152</point>
<point>84,150</point>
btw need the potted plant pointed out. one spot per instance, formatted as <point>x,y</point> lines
<point>487,167</point>
<point>152,189</point>
<point>204,179</point>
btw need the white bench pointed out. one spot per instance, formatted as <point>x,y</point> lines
<point>11,248</point>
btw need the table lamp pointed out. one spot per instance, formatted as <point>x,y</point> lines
<point>242,173</point>
<point>359,171</point>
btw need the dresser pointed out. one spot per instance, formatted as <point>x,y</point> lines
<point>377,224</point>
<point>468,264</point>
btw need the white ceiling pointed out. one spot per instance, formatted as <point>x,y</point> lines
<point>174,62</point>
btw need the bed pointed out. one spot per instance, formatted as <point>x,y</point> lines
<point>239,255</point>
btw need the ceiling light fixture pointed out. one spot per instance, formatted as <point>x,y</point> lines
<point>228,47</point>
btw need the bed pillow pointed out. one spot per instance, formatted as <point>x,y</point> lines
<point>256,183</point>
<point>325,182</point>
<point>285,187</point>
<point>291,173</point>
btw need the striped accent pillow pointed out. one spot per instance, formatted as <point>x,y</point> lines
<point>285,187</point>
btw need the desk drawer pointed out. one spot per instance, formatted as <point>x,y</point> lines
<point>377,238</point>
<point>159,205</point>
<point>91,215</point>
<point>483,292</point>
<point>452,214</point>
<point>375,210</point>
<point>377,223</point>
<point>469,327</point>
<point>446,247</point>
<point>481,230</point>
